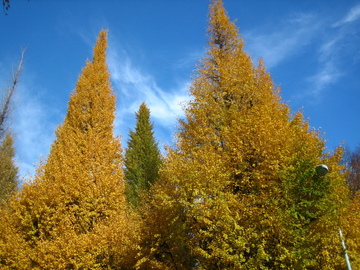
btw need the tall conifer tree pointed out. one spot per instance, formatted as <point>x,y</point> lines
<point>142,156</point>
<point>73,214</point>
<point>230,194</point>
<point>8,169</point>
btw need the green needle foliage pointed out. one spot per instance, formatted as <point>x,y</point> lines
<point>142,157</point>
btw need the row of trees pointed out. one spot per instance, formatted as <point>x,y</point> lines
<point>238,190</point>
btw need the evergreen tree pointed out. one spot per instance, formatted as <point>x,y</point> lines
<point>8,169</point>
<point>73,215</point>
<point>239,190</point>
<point>142,156</point>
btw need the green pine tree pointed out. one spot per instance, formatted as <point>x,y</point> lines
<point>142,156</point>
<point>8,169</point>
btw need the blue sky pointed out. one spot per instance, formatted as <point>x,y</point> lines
<point>311,48</point>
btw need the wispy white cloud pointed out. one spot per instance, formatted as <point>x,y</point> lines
<point>28,119</point>
<point>286,41</point>
<point>33,131</point>
<point>352,15</point>
<point>135,86</point>
<point>190,59</point>
<point>326,75</point>
<point>289,39</point>
<point>327,71</point>
<point>328,47</point>
<point>331,51</point>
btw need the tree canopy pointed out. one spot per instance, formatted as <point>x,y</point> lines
<point>8,169</point>
<point>73,214</point>
<point>239,189</point>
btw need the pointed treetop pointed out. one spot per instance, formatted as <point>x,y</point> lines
<point>142,157</point>
<point>93,90</point>
<point>225,66</point>
<point>87,132</point>
<point>222,32</point>
<point>100,47</point>
<point>143,115</point>
<point>74,213</point>
<point>143,106</point>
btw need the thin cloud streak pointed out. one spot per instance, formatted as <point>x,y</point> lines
<point>135,86</point>
<point>328,74</point>
<point>330,54</point>
<point>276,47</point>
<point>352,15</point>
<point>33,130</point>
<point>291,38</point>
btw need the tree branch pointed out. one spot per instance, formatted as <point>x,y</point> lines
<point>9,91</point>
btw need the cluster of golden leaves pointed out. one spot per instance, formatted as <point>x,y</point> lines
<point>350,225</point>
<point>230,194</point>
<point>73,214</point>
<point>238,190</point>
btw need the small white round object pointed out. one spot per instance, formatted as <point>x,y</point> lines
<point>322,169</point>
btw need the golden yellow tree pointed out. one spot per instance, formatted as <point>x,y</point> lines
<point>8,169</point>
<point>73,215</point>
<point>350,227</point>
<point>239,190</point>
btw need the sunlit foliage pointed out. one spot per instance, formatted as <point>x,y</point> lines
<point>73,214</point>
<point>8,169</point>
<point>350,225</point>
<point>239,190</point>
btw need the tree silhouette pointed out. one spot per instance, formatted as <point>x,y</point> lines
<point>142,156</point>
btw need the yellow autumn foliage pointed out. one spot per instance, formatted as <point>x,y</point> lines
<point>239,190</point>
<point>73,214</point>
<point>350,226</point>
